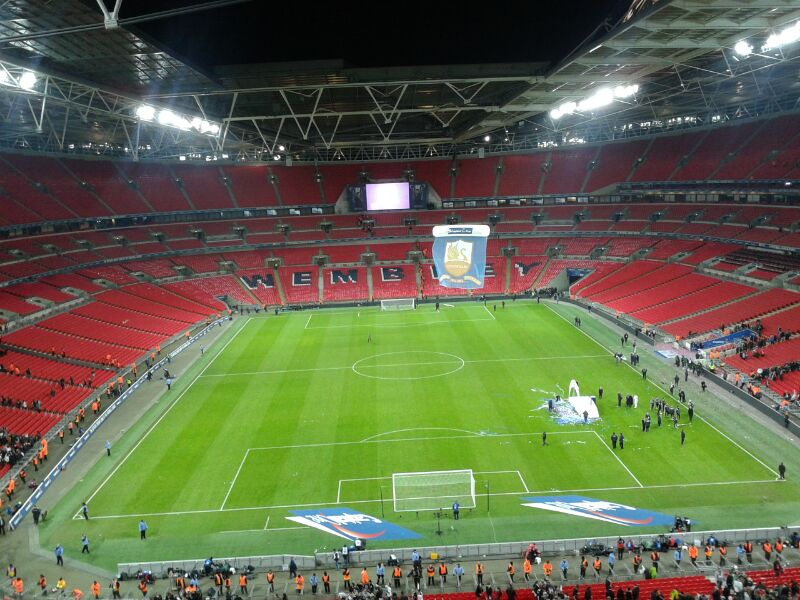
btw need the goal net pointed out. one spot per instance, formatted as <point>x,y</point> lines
<point>398,304</point>
<point>433,490</point>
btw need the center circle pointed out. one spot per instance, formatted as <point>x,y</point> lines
<point>438,364</point>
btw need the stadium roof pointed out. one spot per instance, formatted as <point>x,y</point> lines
<point>94,69</point>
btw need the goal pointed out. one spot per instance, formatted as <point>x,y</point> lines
<point>433,490</point>
<point>399,304</point>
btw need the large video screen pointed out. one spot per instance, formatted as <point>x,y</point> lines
<point>388,196</point>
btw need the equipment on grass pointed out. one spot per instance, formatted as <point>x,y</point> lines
<point>399,304</point>
<point>433,490</point>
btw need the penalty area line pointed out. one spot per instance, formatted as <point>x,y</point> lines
<point>377,500</point>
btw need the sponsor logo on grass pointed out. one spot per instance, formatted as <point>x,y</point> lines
<point>351,524</point>
<point>602,510</point>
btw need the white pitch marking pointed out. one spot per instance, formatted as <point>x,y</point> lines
<point>477,361</point>
<point>178,399</point>
<point>490,312</point>
<point>266,525</point>
<point>377,435</point>
<point>619,460</point>
<point>309,320</point>
<point>525,485</point>
<point>376,500</point>
<point>403,325</point>
<point>235,477</point>
<point>723,434</point>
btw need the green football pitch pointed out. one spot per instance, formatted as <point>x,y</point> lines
<point>319,409</point>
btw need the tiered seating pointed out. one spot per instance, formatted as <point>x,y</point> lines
<point>623,247</point>
<point>712,150</point>
<point>126,318</point>
<point>475,178</point>
<point>757,149</point>
<point>156,184</point>
<point>790,383</point>
<point>663,156</point>
<point>208,289</point>
<point>109,185</point>
<point>614,164</point>
<point>786,320</point>
<point>251,186</point>
<point>391,251</point>
<point>524,271</point>
<point>143,307</point>
<point>112,273</point>
<point>157,268</point>
<point>61,184</point>
<point>521,175</point>
<point>39,290</point>
<point>623,273</point>
<point>45,340</point>
<point>27,422</point>
<point>343,254</point>
<point>204,186</point>
<point>694,584</point>
<point>636,285</point>
<point>395,281</point>
<point>266,295</point>
<point>557,266</point>
<point>22,199</point>
<point>701,298</point>
<point>199,263</point>
<point>436,173</point>
<point>336,177</point>
<point>168,299</point>
<point>495,280</point>
<point>706,251</point>
<point>296,256</point>
<point>346,283</point>
<point>743,310</point>
<point>104,332</point>
<point>580,246</point>
<point>768,577</point>
<point>594,278</point>
<point>300,284</point>
<point>15,304</point>
<point>54,370</point>
<point>297,185</point>
<point>567,170</point>
<point>49,394</point>
<point>774,355</point>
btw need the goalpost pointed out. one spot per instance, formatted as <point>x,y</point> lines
<point>433,490</point>
<point>399,304</point>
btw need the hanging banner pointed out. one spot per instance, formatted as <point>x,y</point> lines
<point>459,252</point>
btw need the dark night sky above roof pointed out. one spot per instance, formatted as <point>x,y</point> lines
<point>377,34</point>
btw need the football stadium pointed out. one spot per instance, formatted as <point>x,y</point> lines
<point>284,316</point>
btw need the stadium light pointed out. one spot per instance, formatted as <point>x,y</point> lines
<point>487,138</point>
<point>27,80</point>
<point>742,48</point>
<point>169,118</point>
<point>145,112</point>
<point>625,91</point>
<point>602,97</point>
<point>783,38</point>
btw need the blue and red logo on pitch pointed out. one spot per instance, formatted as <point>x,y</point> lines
<point>351,524</point>
<point>602,510</point>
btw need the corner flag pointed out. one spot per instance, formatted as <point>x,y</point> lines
<point>459,252</point>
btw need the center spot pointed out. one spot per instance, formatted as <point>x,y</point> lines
<point>408,365</point>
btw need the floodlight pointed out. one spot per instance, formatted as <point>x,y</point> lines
<point>281,147</point>
<point>165,117</point>
<point>787,36</point>
<point>27,80</point>
<point>742,48</point>
<point>555,114</point>
<point>3,76</point>
<point>487,138</point>
<point>214,129</point>
<point>276,157</point>
<point>146,112</point>
<point>625,91</point>
<point>602,97</point>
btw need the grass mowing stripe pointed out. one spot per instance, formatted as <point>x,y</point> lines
<point>714,427</point>
<point>166,412</point>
